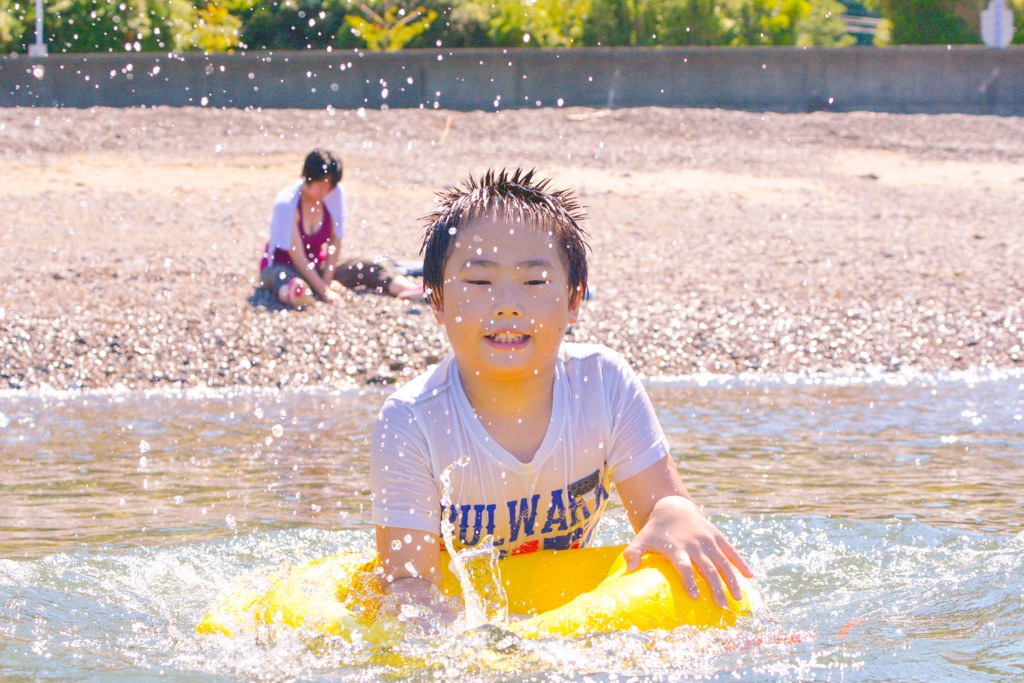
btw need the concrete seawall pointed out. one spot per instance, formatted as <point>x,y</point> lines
<point>932,79</point>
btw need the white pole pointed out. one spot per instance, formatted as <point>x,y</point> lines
<point>38,49</point>
<point>998,22</point>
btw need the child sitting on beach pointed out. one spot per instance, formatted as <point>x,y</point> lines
<point>525,431</point>
<point>301,260</point>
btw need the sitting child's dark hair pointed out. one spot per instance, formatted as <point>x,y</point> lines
<point>321,165</point>
<point>515,199</point>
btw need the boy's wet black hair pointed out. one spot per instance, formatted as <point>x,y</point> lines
<point>509,198</point>
<point>321,165</point>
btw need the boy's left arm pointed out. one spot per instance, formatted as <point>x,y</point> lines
<point>669,523</point>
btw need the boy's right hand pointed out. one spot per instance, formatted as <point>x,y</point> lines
<point>419,604</point>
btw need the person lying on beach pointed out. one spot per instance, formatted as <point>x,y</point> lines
<point>524,431</point>
<point>301,260</point>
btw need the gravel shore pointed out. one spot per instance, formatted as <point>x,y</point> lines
<point>723,242</point>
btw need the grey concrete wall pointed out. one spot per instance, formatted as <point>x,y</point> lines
<point>966,79</point>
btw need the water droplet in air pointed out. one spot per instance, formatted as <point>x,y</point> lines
<point>143,446</point>
<point>277,431</point>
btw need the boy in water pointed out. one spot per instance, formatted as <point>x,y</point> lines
<point>533,430</point>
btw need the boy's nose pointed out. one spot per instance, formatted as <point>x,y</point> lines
<point>508,312</point>
<point>506,304</point>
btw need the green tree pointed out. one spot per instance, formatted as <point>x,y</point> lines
<point>687,22</point>
<point>929,22</point>
<point>391,26</point>
<point>216,29</point>
<point>653,22</point>
<point>458,24</point>
<point>292,24</point>
<point>13,26</point>
<point>764,22</point>
<point>612,23</point>
<point>1018,21</point>
<point>94,25</point>
<point>823,26</point>
<point>514,24</point>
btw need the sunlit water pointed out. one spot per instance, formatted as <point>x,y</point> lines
<point>883,520</point>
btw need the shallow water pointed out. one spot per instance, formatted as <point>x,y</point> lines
<point>883,520</point>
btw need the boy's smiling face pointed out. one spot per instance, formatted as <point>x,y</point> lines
<point>506,302</point>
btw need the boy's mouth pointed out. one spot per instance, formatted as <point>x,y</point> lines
<point>507,337</point>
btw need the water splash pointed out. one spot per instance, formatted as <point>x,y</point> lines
<point>484,598</point>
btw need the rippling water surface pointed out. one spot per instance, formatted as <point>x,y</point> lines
<point>883,520</point>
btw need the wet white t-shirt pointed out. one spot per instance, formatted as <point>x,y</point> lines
<point>603,429</point>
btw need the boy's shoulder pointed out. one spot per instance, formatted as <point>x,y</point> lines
<point>428,385</point>
<point>576,353</point>
<point>594,365</point>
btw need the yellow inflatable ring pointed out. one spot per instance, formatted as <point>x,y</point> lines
<point>567,592</point>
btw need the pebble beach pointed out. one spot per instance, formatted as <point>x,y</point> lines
<point>724,242</point>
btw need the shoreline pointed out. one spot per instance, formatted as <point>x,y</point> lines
<point>723,242</point>
<point>202,392</point>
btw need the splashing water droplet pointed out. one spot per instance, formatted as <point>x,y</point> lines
<point>396,544</point>
<point>277,431</point>
<point>143,446</point>
<point>231,523</point>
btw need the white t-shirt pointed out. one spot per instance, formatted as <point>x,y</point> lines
<point>282,219</point>
<point>603,429</point>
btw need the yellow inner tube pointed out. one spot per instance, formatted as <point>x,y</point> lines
<point>566,593</point>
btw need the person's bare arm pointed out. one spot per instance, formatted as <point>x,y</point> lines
<point>309,273</point>
<point>411,561</point>
<point>668,522</point>
<point>330,263</point>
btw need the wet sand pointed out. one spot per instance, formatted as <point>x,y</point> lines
<point>723,242</point>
